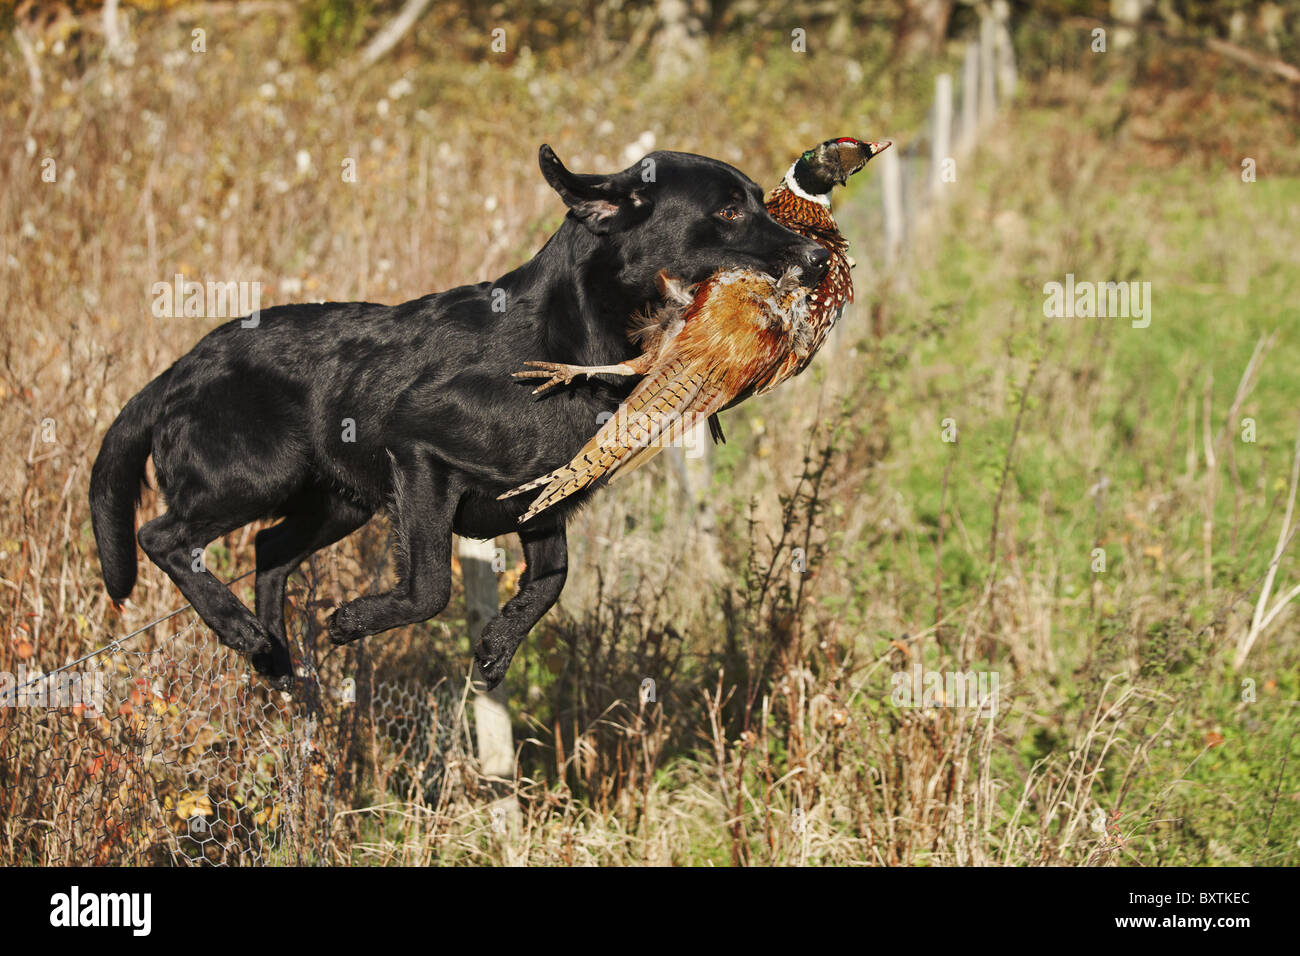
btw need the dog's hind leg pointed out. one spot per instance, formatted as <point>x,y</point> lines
<point>314,519</point>
<point>546,552</point>
<point>176,545</point>
<point>423,507</point>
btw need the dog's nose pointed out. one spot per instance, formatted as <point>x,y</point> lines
<point>816,261</point>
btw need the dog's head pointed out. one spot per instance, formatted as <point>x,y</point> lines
<point>679,213</point>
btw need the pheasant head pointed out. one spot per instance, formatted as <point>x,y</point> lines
<point>830,164</point>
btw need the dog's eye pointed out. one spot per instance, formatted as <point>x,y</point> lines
<point>731,213</point>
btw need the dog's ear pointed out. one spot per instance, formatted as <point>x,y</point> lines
<point>603,203</point>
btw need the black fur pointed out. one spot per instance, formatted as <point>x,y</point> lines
<point>250,423</point>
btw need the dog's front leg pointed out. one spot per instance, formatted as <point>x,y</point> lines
<point>423,507</point>
<point>546,553</point>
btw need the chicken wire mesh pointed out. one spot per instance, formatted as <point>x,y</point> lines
<point>166,750</point>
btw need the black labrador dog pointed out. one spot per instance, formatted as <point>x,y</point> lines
<point>324,414</point>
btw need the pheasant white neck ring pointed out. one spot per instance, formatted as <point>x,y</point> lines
<point>792,184</point>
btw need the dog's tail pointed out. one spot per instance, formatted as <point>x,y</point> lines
<point>115,482</point>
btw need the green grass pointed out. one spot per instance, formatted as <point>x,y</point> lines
<point>1112,400</point>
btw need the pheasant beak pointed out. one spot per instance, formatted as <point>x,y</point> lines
<point>875,149</point>
<point>855,155</point>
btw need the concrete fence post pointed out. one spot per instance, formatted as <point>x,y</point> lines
<point>941,135</point>
<point>891,189</point>
<point>988,75</point>
<point>1006,57</point>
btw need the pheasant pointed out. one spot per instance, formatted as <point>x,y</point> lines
<point>801,202</point>
<point>743,333</point>
<point>735,336</point>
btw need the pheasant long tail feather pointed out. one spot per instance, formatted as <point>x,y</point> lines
<point>568,479</point>
<point>614,446</point>
<point>530,485</point>
<point>673,398</point>
<point>695,399</point>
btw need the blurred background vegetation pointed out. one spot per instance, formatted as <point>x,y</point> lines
<point>1126,732</point>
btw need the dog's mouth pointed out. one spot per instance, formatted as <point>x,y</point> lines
<point>811,260</point>
<point>812,264</point>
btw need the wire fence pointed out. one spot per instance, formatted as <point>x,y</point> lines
<point>163,748</point>
<point>916,176</point>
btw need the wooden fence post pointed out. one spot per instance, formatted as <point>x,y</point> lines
<point>496,748</point>
<point>113,42</point>
<point>691,457</point>
<point>970,81</point>
<point>941,136</point>
<point>988,94</point>
<point>891,190</point>
<point>1006,57</point>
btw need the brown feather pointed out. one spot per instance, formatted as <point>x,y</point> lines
<point>734,332</point>
<point>739,333</point>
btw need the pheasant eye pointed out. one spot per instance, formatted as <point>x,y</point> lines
<point>730,213</point>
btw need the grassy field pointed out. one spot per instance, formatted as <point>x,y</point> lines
<point>1097,535</point>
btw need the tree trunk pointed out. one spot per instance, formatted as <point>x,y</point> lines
<point>679,45</point>
<point>922,29</point>
<point>392,32</point>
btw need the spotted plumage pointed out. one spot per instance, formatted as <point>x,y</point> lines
<point>826,302</point>
<point>801,202</point>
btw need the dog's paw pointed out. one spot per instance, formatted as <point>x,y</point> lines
<point>493,655</point>
<point>344,627</point>
<point>275,667</point>
<point>284,682</point>
<point>492,668</point>
<point>251,639</point>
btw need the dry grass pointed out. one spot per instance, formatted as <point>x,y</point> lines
<point>1121,733</point>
